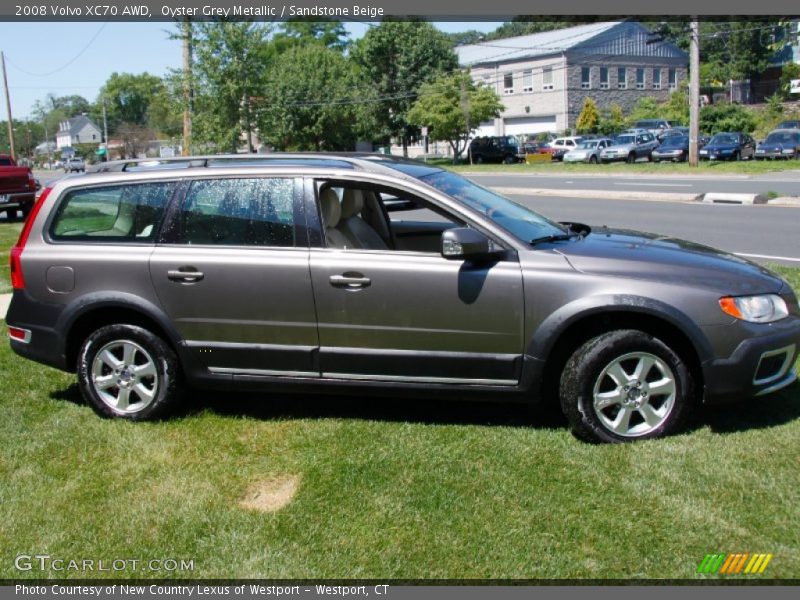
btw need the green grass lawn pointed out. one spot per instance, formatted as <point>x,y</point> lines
<point>9,232</point>
<point>389,488</point>
<point>749,167</point>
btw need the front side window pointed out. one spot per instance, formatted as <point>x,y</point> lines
<point>239,212</point>
<point>547,78</point>
<point>119,213</point>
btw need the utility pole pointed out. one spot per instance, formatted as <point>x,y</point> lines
<point>105,129</point>
<point>8,108</point>
<point>187,87</point>
<point>694,91</point>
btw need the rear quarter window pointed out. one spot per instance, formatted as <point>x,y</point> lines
<point>119,213</point>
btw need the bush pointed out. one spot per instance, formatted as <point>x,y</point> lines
<point>726,117</point>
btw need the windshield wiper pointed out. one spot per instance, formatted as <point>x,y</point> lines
<point>559,237</point>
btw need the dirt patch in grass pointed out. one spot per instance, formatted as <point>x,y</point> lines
<point>271,495</point>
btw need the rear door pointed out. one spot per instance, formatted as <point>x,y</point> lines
<point>232,274</point>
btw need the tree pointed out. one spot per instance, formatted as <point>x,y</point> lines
<point>589,119</point>
<point>312,101</point>
<point>128,98</point>
<point>790,71</point>
<point>135,139</point>
<point>611,120</point>
<point>726,117</point>
<point>451,107</point>
<point>302,31</point>
<point>646,107</point>
<point>231,60</point>
<point>397,57</point>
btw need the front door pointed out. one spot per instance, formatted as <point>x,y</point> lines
<point>414,316</point>
<point>234,277</point>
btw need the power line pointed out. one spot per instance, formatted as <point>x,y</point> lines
<point>65,65</point>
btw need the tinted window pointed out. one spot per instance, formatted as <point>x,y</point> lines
<point>5,162</point>
<point>115,213</point>
<point>239,212</point>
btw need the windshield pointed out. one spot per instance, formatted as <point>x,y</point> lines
<point>783,138</point>
<point>621,140</point>
<point>518,220</point>
<point>724,138</point>
<point>589,145</point>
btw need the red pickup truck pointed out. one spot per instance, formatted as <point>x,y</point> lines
<point>17,188</point>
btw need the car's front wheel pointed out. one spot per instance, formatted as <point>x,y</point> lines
<point>625,385</point>
<point>127,372</point>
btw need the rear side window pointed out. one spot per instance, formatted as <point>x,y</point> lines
<point>120,213</point>
<point>239,212</point>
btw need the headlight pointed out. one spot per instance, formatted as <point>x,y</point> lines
<point>788,151</point>
<point>703,151</point>
<point>765,308</point>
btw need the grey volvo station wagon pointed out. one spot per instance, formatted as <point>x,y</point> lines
<point>366,273</point>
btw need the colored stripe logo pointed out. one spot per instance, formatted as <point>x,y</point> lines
<point>734,564</point>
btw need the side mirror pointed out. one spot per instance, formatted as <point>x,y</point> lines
<point>463,243</point>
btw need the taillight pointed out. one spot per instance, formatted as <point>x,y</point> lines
<point>15,259</point>
<point>31,180</point>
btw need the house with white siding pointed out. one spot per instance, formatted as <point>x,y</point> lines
<point>543,78</point>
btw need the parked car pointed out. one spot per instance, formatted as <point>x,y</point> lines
<point>501,149</point>
<point>74,165</point>
<point>17,188</point>
<point>560,146</point>
<point>781,143</point>
<point>588,151</point>
<point>793,124</point>
<point>320,272</point>
<point>655,126</point>
<point>674,148</point>
<point>729,146</point>
<point>629,147</point>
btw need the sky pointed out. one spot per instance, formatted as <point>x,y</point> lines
<point>78,58</point>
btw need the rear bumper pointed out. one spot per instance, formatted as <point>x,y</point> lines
<point>46,344</point>
<point>17,199</point>
<point>759,366</point>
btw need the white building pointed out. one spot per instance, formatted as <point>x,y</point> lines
<point>77,130</point>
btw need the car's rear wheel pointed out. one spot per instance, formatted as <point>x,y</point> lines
<point>127,372</point>
<point>625,385</point>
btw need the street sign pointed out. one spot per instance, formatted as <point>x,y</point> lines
<point>425,131</point>
<point>794,86</point>
<point>100,152</point>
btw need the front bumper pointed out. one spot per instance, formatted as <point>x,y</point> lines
<point>758,366</point>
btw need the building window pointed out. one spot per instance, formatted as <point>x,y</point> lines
<point>508,83</point>
<point>673,79</point>
<point>586,78</point>
<point>603,78</point>
<point>527,81</point>
<point>622,81</point>
<point>640,79</point>
<point>656,79</point>
<point>547,78</point>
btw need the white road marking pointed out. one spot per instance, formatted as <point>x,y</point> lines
<point>656,184</point>
<point>786,258</point>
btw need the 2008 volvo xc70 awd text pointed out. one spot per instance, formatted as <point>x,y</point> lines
<point>364,272</point>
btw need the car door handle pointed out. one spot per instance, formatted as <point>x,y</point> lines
<point>350,281</point>
<point>185,275</point>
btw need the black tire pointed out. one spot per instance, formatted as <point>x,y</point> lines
<point>26,210</point>
<point>592,160</point>
<point>631,158</point>
<point>479,160</point>
<point>585,374</point>
<point>508,159</point>
<point>164,384</point>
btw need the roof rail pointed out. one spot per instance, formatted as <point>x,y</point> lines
<point>319,159</point>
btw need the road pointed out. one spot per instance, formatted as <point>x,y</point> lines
<point>762,233</point>
<point>786,183</point>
